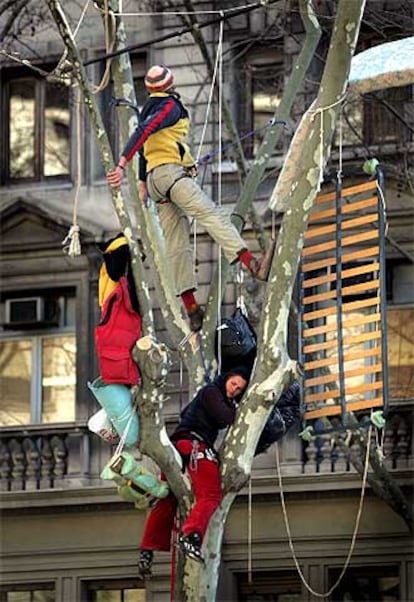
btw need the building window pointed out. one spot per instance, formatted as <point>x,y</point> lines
<point>39,592</point>
<point>380,117</point>
<point>260,81</point>
<point>400,353</point>
<point>37,127</point>
<point>38,359</point>
<point>379,584</point>
<point>377,118</point>
<point>270,586</point>
<point>385,115</point>
<point>116,591</point>
<point>400,312</point>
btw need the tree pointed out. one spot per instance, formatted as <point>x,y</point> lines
<point>300,179</point>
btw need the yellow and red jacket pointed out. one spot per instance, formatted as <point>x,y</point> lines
<point>160,134</point>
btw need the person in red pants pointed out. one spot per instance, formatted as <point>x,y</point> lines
<point>213,408</point>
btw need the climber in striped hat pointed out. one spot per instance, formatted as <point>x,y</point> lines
<point>159,79</point>
<point>168,169</point>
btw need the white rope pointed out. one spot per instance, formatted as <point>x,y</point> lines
<point>220,110</point>
<point>383,206</point>
<point>249,532</point>
<point>71,244</point>
<point>354,535</point>
<point>219,182</point>
<point>205,124</point>
<point>211,91</point>
<point>340,140</point>
<point>81,18</point>
<point>122,440</point>
<point>240,302</point>
<point>110,31</point>
<point>314,113</point>
<point>189,12</point>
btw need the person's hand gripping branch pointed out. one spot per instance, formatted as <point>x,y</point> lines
<point>114,176</point>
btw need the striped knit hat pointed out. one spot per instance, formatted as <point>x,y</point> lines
<point>158,78</point>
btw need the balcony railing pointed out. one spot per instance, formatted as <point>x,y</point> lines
<point>70,456</point>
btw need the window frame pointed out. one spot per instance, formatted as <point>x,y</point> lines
<point>259,55</point>
<point>36,383</point>
<point>36,336</point>
<point>7,76</point>
<point>26,587</point>
<point>89,587</point>
<point>277,583</point>
<point>356,571</point>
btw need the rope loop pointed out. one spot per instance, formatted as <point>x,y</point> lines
<point>354,535</point>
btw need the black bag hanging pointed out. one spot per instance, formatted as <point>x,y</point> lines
<point>238,339</point>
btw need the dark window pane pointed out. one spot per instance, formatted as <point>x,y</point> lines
<point>384,114</point>
<point>367,584</point>
<point>400,353</point>
<point>139,67</point>
<point>22,129</point>
<point>57,119</point>
<point>272,586</point>
<point>266,97</point>
<point>259,74</point>
<point>114,590</point>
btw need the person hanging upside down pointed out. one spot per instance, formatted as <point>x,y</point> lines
<point>168,170</point>
<point>213,408</point>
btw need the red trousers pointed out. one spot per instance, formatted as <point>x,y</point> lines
<point>206,481</point>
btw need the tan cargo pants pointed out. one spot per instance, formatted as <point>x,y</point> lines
<point>189,200</point>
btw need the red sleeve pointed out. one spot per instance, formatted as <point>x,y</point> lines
<point>168,114</point>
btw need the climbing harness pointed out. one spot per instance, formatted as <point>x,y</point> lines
<point>249,533</point>
<point>71,243</point>
<point>221,150</point>
<point>195,456</point>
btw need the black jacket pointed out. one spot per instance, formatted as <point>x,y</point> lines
<point>209,412</point>
<point>284,415</point>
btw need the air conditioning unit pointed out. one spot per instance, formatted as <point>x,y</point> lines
<point>31,312</point>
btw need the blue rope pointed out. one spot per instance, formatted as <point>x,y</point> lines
<point>208,156</point>
<point>117,102</point>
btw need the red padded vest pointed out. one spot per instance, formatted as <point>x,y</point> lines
<point>115,336</point>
